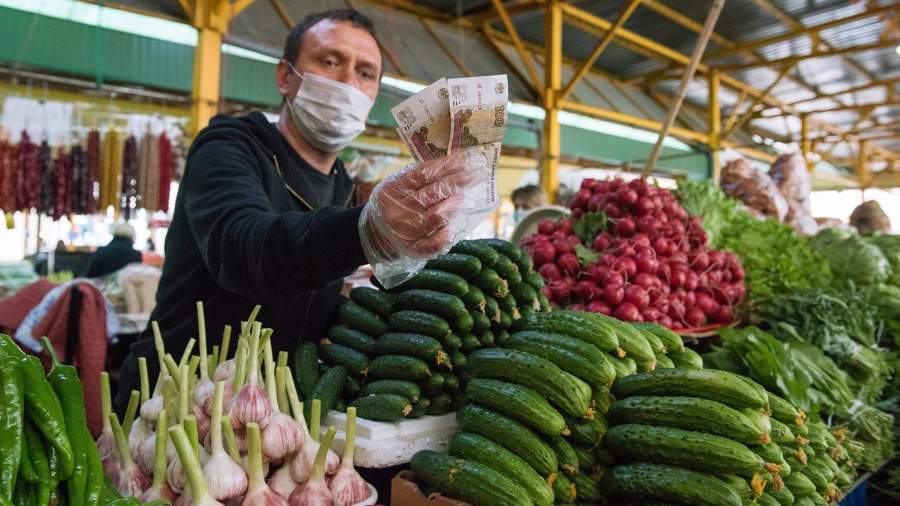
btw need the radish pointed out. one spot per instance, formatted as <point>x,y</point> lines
<point>543,253</point>
<point>706,303</point>
<point>581,198</point>
<point>597,203</point>
<point>601,242</point>
<point>694,317</point>
<point>644,206</point>
<point>626,197</point>
<point>589,184</point>
<point>626,266</point>
<point>546,227</point>
<point>625,226</point>
<point>613,294</point>
<point>612,210</point>
<point>563,246</point>
<point>566,226</point>
<point>628,312</point>
<point>577,213</point>
<point>724,314</point>
<point>637,296</point>
<point>568,263</point>
<point>586,290</point>
<point>646,265</point>
<point>599,307</point>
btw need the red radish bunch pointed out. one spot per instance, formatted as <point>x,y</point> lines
<point>652,261</point>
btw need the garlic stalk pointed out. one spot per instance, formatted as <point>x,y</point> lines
<point>224,477</point>
<point>159,489</point>
<point>212,360</point>
<point>131,480</point>
<point>142,429</point>
<point>315,492</point>
<point>251,404</point>
<point>106,443</point>
<point>131,411</point>
<point>281,480</point>
<point>281,436</point>
<point>199,493</point>
<point>300,465</point>
<point>347,486</point>
<point>186,354</point>
<point>303,461</point>
<point>258,492</point>
<point>204,389</point>
<point>236,444</point>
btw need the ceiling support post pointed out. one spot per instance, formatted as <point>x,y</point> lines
<point>806,143</point>
<point>715,124</point>
<point>552,86</point>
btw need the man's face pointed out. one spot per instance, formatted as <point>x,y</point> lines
<point>338,51</point>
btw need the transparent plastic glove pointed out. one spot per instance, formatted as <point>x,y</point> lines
<point>423,210</point>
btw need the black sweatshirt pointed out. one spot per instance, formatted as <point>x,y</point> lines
<point>244,233</point>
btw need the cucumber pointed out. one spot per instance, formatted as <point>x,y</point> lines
<point>759,419</point>
<point>586,488</point>
<point>419,322</point>
<point>419,409</point>
<point>340,405</point>
<point>459,400</point>
<point>535,280</point>
<point>377,301</point>
<point>563,489</point>
<point>469,481</point>
<point>487,338</point>
<point>483,252</point>
<point>784,496</point>
<point>525,263</point>
<point>442,304</point>
<point>504,248</point>
<point>586,350</point>
<point>439,281</point>
<point>382,407</point>
<point>587,433</point>
<point>808,500</point>
<point>624,366</point>
<point>645,365</point>
<point>501,337</point>
<point>470,343</point>
<point>781,433</point>
<point>407,389</point>
<point>818,473</point>
<point>398,367</point>
<point>603,457</point>
<point>473,447</point>
<point>507,270</point>
<point>459,360</point>
<point>576,324</point>
<point>688,413</point>
<point>474,299</point>
<point>585,456</point>
<point>491,283</point>
<point>565,455</point>
<point>799,485</point>
<point>491,308</point>
<point>566,391</point>
<point>480,322</point>
<point>440,404</point>
<point>767,500</point>
<point>463,324</point>
<point>714,385</point>
<point>514,436</point>
<point>644,481</point>
<point>412,345</point>
<point>351,388</point>
<point>669,338</point>
<point>434,384</point>
<point>664,362</point>
<point>353,361</point>
<point>696,450</point>
<point>738,484</point>
<point>656,344</point>
<point>784,411</point>
<point>506,320</point>
<point>518,402</point>
<point>344,335</point>
<point>770,452</point>
<point>508,304</point>
<point>687,359</point>
<point>451,343</point>
<point>327,390</point>
<point>306,368</point>
<point>466,266</point>
<point>526,295</point>
<point>602,400</point>
<point>361,319</point>
<point>596,374</point>
<point>451,383</point>
<point>631,340</point>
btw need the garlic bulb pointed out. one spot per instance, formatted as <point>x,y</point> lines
<point>106,443</point>
<point>140,433</point>
<point>258,492</point>
<point>315,491</point>
<point>130,480</point>
<point>199,493</point>
<point>225,370</point>
<point>251,404</point>
<point>281,480</point>
<point>347,486</point>
<point>159,489</point>
<point>224,477</point>
<point>282,435</point>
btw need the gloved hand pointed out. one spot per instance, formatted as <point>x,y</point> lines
<point>421,211</point>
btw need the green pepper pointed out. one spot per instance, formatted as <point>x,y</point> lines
<point>11,418</point>
<point>36,453</point>
<point>94,489</point>
<point>24,493</point>
<point>26,470</point>
<point>43,408</point>
<point>65,383</point>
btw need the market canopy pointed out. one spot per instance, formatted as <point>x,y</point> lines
<point>779,61</point>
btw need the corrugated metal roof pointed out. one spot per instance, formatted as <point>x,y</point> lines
<point>259,27</point>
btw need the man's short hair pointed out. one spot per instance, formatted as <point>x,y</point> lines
<point>294,40</point>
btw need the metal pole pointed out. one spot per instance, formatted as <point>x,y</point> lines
<point>711,19</point>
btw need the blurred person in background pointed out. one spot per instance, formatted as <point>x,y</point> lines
<point>115,255</point>
<point>526,198</point>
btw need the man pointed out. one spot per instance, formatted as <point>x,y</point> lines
<point>265,213</point>
<point>115,255</point>
<point>526,198</point>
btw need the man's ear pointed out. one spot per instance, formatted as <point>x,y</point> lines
<point>282,78</point>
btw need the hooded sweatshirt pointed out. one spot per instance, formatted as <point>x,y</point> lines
<point>245,231</point>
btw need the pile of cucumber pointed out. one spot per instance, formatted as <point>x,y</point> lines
<point>401,353</point>
<point>708,437</point>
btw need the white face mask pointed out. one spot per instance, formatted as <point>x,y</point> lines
<point>329,114</point>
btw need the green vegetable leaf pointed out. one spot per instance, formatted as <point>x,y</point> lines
<point>586,255</point>
<point>590,225</point>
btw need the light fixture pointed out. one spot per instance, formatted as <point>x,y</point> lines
<point>897,49</point>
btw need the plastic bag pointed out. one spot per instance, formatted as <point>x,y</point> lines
<point>754,188</point>
<point>424,209</point>
<point>790,175</point>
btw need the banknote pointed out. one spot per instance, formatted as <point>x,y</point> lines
<point>424,121</point>
<point>478,110</point>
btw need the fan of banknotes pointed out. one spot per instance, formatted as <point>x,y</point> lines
<point>453,114</point>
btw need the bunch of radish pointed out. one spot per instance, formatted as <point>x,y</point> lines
<point>217,431</point>
<point>647,260</point>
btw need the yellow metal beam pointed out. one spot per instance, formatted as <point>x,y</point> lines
<point>238,7</point>
<point>494,44</point>
<point>756,101</point>
<point>627,119</point>
<point>517,42</point>
<point>888,83</point>
<point>855,107</point>
<point>715,123</point>
<point>186,7</point>
<point>862,166</point>
<point>601,46</point>
<point>283,13</point>
<point>814,54</point>
<point>450,54</point>
<point>805,144</point>
<point>550,141</point>
<point>732,115</point>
